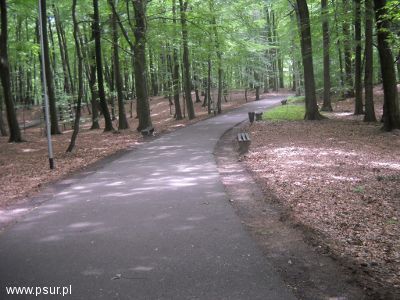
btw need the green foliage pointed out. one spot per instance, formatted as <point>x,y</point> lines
<point>285,112</point>
<point>241,26</point>
<point>296,99</point>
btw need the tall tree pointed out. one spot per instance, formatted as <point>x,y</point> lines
<point>219,56</point>
<point>175,69</point>
<point>347,51</point>
<point>140,65</point>
<point>99,67</point>
<point>90,66</point>
<point>80,79</point>
<point>358,110</point>
<point>15,133</point>
<point>186,61</point>
<point>327,106</point>
<point>391,114</point>
<point>68,82</point>
<point>312,112</point>
<point>369,65</point>
<point>339,48</point>
<point>122,121</point>
<point>49,73</point>
<point>138,48</point>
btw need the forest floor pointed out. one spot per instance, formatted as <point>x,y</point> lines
<point>338,178</point>
<point>25,168</point>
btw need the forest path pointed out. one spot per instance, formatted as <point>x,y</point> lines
<point>155,223</point>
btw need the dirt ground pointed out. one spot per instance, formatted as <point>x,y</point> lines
<point>25,166</point>
<point>338,178</point>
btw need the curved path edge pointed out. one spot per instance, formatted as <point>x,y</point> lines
<point>292,250</point>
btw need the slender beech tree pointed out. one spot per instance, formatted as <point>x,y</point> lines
<point>186,61</point>
<point>339,49</point>
<point>347,51</point>
<point>326,106</point>
<point>312,112</point>
<point>391,114</point>
<point>15,133</point>
<point>80,78</point>
<point>122,121</point>
<point>153,73</point>
<point>358,110</point>
<point>219,57</point>
<point>62,42</point>
<point>369,66</point>
<point>90,66</point>
<point>175,69</point>
<point>49,73</point>
<point>99,67</point>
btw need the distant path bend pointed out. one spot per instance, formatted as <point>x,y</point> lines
<point>155,223</point>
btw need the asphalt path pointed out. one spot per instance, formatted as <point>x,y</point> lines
<point>155,223</point>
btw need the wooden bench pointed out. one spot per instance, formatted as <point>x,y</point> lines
<point>244,142</point>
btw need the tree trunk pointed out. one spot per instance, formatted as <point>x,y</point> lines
<point>13,126</point>
<point>49,74</point>
<point>347,52</point>
<point>153,74</point>
<point>208,92</point>
<point>80,79</point>
<point>53,59</point>
<point>257,80</point>
<point>67,83</point>
<point>391,115</point>
<point>122,121</point>
<point>186,61</point>
<point>92,84</point>
<point>219,58</point>
<point>327,64</point>
<point>99,68</point>
<point>312,112</point>
<point>278,57</point>
<point>175,71</point>
<point>398,66</point>
<point>358,109</point>
<point>196,89</point>
<point>339,47</point>
<point>143,107</point>
<point>369,67</point>
<point>3,130</point>
<point>109,77</point>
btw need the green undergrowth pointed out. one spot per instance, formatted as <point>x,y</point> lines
<point>296,99</point>
<point>285,112</point>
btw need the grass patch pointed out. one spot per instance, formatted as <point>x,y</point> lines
<point>296,99</point>
<point>285,112</point>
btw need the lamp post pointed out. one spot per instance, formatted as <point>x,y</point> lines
<point>46,98</point>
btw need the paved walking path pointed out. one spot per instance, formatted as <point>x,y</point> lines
<point>153,224</point>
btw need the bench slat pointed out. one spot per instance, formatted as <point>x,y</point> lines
<point>243,137</point>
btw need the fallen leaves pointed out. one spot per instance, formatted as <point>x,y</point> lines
<point>339,177</point>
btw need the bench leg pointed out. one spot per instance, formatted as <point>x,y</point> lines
<point>244,147</point>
